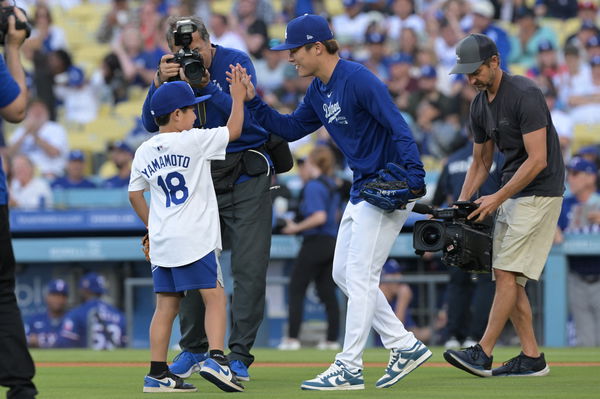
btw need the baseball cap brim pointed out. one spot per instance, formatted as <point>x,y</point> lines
<point>465,68</point>
<point>286,46</point>
<point>200,99</point>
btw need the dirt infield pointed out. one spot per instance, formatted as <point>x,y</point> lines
<point>273,364</point>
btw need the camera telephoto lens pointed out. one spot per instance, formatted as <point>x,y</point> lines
<point>431,235</point>
<point>194,71</point>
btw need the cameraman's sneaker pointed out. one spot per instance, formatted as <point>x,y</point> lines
<point>402,362</point>
<point>472,360</point>
<point>167,382</point>
<point>220,375</point>
<point>187,363</point>
<point>240,370</point>
<point>523,366</point>
<point>336,377</point>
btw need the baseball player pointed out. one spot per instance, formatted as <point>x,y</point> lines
<point>175,166</point>
<point>360,116</point>
<point>42,329</point>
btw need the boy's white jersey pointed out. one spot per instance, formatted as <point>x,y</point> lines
<point>184,217</point>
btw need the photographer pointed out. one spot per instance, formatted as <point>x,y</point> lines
<point>511,113</point>
<point>16,367</point>
<point>242,183</point>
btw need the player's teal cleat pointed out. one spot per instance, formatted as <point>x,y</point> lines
<point>220,375</point>
<point>240,370</point>
<point>187,363</point>
<point>336,377</point>
<point>402,362</point>
<point>167,382</point>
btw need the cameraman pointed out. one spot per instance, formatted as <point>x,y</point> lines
<point>243,196</point>
<point>16,367</point>
<point>510,112</point>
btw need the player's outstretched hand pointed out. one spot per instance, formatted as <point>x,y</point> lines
<point>237,89</point>
<point>246,80</point>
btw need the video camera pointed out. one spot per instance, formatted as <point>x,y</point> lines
<point>5,12</point>
<point>191,61</point>
<point>464,243</point>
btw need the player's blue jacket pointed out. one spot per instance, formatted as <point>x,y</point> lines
<point>358,112</point>
<point>94,324</point>
<point>9,90</point>
<point>218,107</point>
<point>45,327</point>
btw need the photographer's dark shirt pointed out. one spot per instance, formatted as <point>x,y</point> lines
<point>519,108</point>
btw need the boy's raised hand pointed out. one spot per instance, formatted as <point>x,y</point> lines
<point>245,79</point>
<point>237,89</point>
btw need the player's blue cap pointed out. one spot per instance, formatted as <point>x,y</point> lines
<point>545,45</point>
<point>428,71</point>
<point>582,165</point>
<point>303,30</point>
<point>76,155</point>
<point>93,282</point>
<point>58,286</point>
<point>173,95</point>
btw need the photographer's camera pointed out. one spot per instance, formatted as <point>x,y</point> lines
<point>6,12</point>
<point>190,60</point>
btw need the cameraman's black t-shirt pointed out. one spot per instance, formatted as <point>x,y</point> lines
<point>519,108</point>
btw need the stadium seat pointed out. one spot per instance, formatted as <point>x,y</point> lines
<point>584,135</point>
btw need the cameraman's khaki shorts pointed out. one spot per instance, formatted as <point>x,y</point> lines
<point>523,235</point>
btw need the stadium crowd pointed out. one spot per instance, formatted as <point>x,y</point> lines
<point>87,74</point>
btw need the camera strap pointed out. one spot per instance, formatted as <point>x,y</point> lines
<point>201,112</point>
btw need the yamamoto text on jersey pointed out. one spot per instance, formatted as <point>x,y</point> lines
<point>164,161</point>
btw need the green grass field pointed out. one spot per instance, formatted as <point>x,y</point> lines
<point>570,376</point>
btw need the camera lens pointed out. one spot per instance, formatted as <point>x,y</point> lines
<point>194,71</point>
<point>428,235</point>
<point>431,235</point>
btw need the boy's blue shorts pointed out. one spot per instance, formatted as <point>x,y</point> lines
<point>203,273</point>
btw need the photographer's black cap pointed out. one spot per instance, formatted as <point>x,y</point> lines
<point>472,51</point>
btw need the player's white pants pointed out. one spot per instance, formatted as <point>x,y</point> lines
<point>364,241</point>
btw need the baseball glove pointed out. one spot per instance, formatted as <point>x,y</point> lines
<point>146,247</point>
<point>387,195</point>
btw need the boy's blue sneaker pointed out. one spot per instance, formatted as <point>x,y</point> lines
<point>220,375</point>
<point>240,370</point>
<point>187,363</point>
<point>402,362</point>
<point>336,377</point>
<point>168,382</point>
<point>472,360</point>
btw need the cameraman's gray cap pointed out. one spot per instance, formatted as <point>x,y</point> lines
<point>472,51</point>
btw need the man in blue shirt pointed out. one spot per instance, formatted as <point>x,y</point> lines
<point>122,156</point>
<point>42,329</point>
<point>94,324</point>
<point>243,197</point>
<point>16,367</point>
<point>74,173</point>
<point>356,109</point>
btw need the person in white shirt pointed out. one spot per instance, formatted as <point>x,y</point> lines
<point>26,190</point>
<point>183,225</point>
<point>42,140</point>
<point>404,17</point>
<point>223,36</point>
<point>585,100</point>
<point>350,27</point>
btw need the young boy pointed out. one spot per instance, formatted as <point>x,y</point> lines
<point>183,225</point>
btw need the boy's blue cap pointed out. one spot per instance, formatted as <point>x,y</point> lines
<point>173,95</point>
<point>303,30</point>
<point>76,155</point>
<point>58,286</point>
<point>94,283</point>
<point>582,165</point>
<point>427,71</point>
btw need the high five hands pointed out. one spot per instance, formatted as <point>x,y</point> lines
<point>245,78</point>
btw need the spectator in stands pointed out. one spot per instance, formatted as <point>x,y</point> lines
<point>563,9</point>
<point>444,46</point>
<point>574,73</point>
<point>108,82</point>
<point>45,36</point>
<point>222,35</point>
<point>317,221</point>
<point>74,173</point>
<point>592,47</point>
<point>291,91</point>
<point>121,155</point>
<point>403,16</point>
<point>16,368</point>
<point>94,324</point>
<point>483,22</point>
<point>26,190</point>
<point>270,69</point>
<point>590,153</point>
<point>581,215</point>
<point>43,141</point>
<point>547,66</point>
<point>524,46</point>
<point>350,27</point>
<point>561,120</point>
<point>409,42</point>
<point>400,82</point>
<point>587,10</point>
<point>400,295</point>
<point>119,16</point>
<point>579,39</point>
<point>375,39</point>
<point>585,100</point>
<point>42,329</point>
<point>252,18</point>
